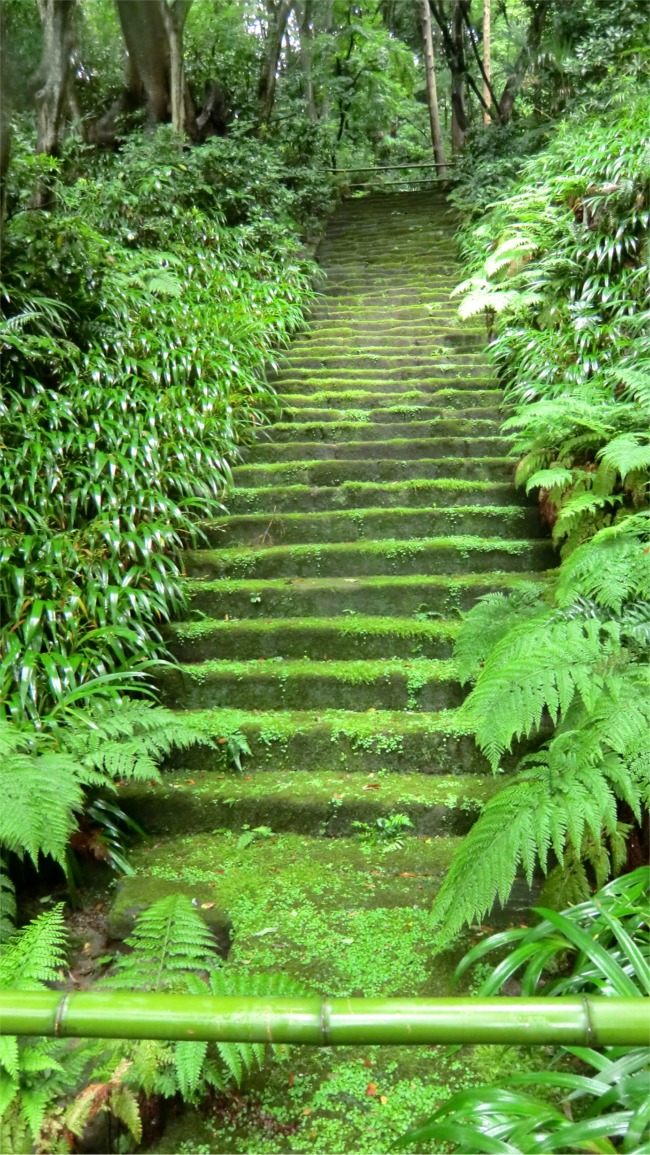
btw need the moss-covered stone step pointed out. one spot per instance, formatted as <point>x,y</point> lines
<point>395,448</point>
<point>342,879</point>
<point>434,377</point>
<point>499,469</point>
<point>372,524</point>
<point>356,495</point>
<point>447,419</point>
<point>434,555</point>
<point>450,388</point>
<point>472,403</point>
<point>334,740</point>
<point>387,362</point>
<point>301,802</point>
<point>364,330</point>
<point>342,430</point>
<point>290,684</point>
<point>319,639</point>
<point>443,595</point>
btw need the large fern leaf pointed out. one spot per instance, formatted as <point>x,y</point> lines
<point>34,955</point>
<point>169,942</point>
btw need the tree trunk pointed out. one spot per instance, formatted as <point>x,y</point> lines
<point>458,114</point>
<point>432,92</point>
<point>266,88</point>
<point>306,34</point>
<point>487,57</point>
<point>56,70</point>
<point>516,77</point>
<point>147,44</point>
<point>174,14</point>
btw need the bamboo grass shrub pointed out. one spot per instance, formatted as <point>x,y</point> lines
<point>136,326</point>
<point>598,1100</point>
<point>565,283</point>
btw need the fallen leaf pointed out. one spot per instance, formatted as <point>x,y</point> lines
<point>191,782</point>
<point>407,874</point>
<point>291,1078</point>
<point>383,1098</point>
<point>372,786</point>
<point>207,905</point>
<point>366,1062</point>
<point>371,1090</point>
<point>307,1110</point>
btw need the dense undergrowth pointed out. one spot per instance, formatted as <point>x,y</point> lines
<point>140,311</point>
<point>559,265</point>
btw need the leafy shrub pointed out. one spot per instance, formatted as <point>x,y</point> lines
<point>599,947</point>
<point>564,283</point>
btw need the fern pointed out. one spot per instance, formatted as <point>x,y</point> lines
<point>34,955</point>
<point>542,664</point>
<point>562,799</point>
<point>488,622</point>
<point>612,567</point>
<point>168,943</point>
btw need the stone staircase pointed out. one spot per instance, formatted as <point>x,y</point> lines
<point>325,606</point>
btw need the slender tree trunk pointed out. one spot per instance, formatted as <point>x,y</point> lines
<point>268,78</point>
<point>458,114</point>
<point>147,44</point>
<point>432,92</point>
<point>174,14</point>
<point>56,71</point>
<point>305,32</point>
<point>487,57</point>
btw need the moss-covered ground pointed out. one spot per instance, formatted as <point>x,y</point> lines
<point>314,822</point>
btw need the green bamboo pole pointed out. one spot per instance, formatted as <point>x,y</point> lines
<point>325,1022</point>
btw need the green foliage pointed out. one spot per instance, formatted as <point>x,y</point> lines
<point>565,280</point>
<point>169,940</point>
<point>599,947</point>
<point>46,772</point>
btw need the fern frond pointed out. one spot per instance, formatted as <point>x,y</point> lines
<point>557,477</point>
<point>612,568</point>
<point>40,794</point>
<point>34,955</point>
<point>626,454</point>
<point>487,623</point>
<point>169,942</point>
<point>542,664</point>
<point>7,903</point>
<point>130,741</point>
<point>566,792</point>
<point>504,253</point>
<point>189,1057</point>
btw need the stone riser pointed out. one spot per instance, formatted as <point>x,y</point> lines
<point>359,495</point>
<point>397,449</point>
<point>336,472</point>
<point>178,813</point>
<point>300,429</point>
<point>451,402</point>
<point>373,525</point>
<point>446,387</point>
<point>275,687</point>
<point>401,558</point>
<point>448,421</point>
<point>338,639</point>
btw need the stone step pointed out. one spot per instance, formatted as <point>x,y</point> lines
<point>388,415</point>
<point>301,429</point>
<point>356,363</point>
<point>299,803</point>
<point>392,449</point>
<point>355,495</point>
<point>380,558</point>
<point>363,884</point>
<point>335,741</point>
<point>364,333</point>
<point>444,388</point>
<point>440,595</point>
<point>499,469</point>
<point>320,343</point>
<point>267,529</point>
<point>319,639</point>
<point>287,684</point>
<point>440,376</point>
<point>470,402</point>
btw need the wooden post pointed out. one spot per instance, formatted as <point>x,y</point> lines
<point>432,91</point>
<point>487,58</point>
